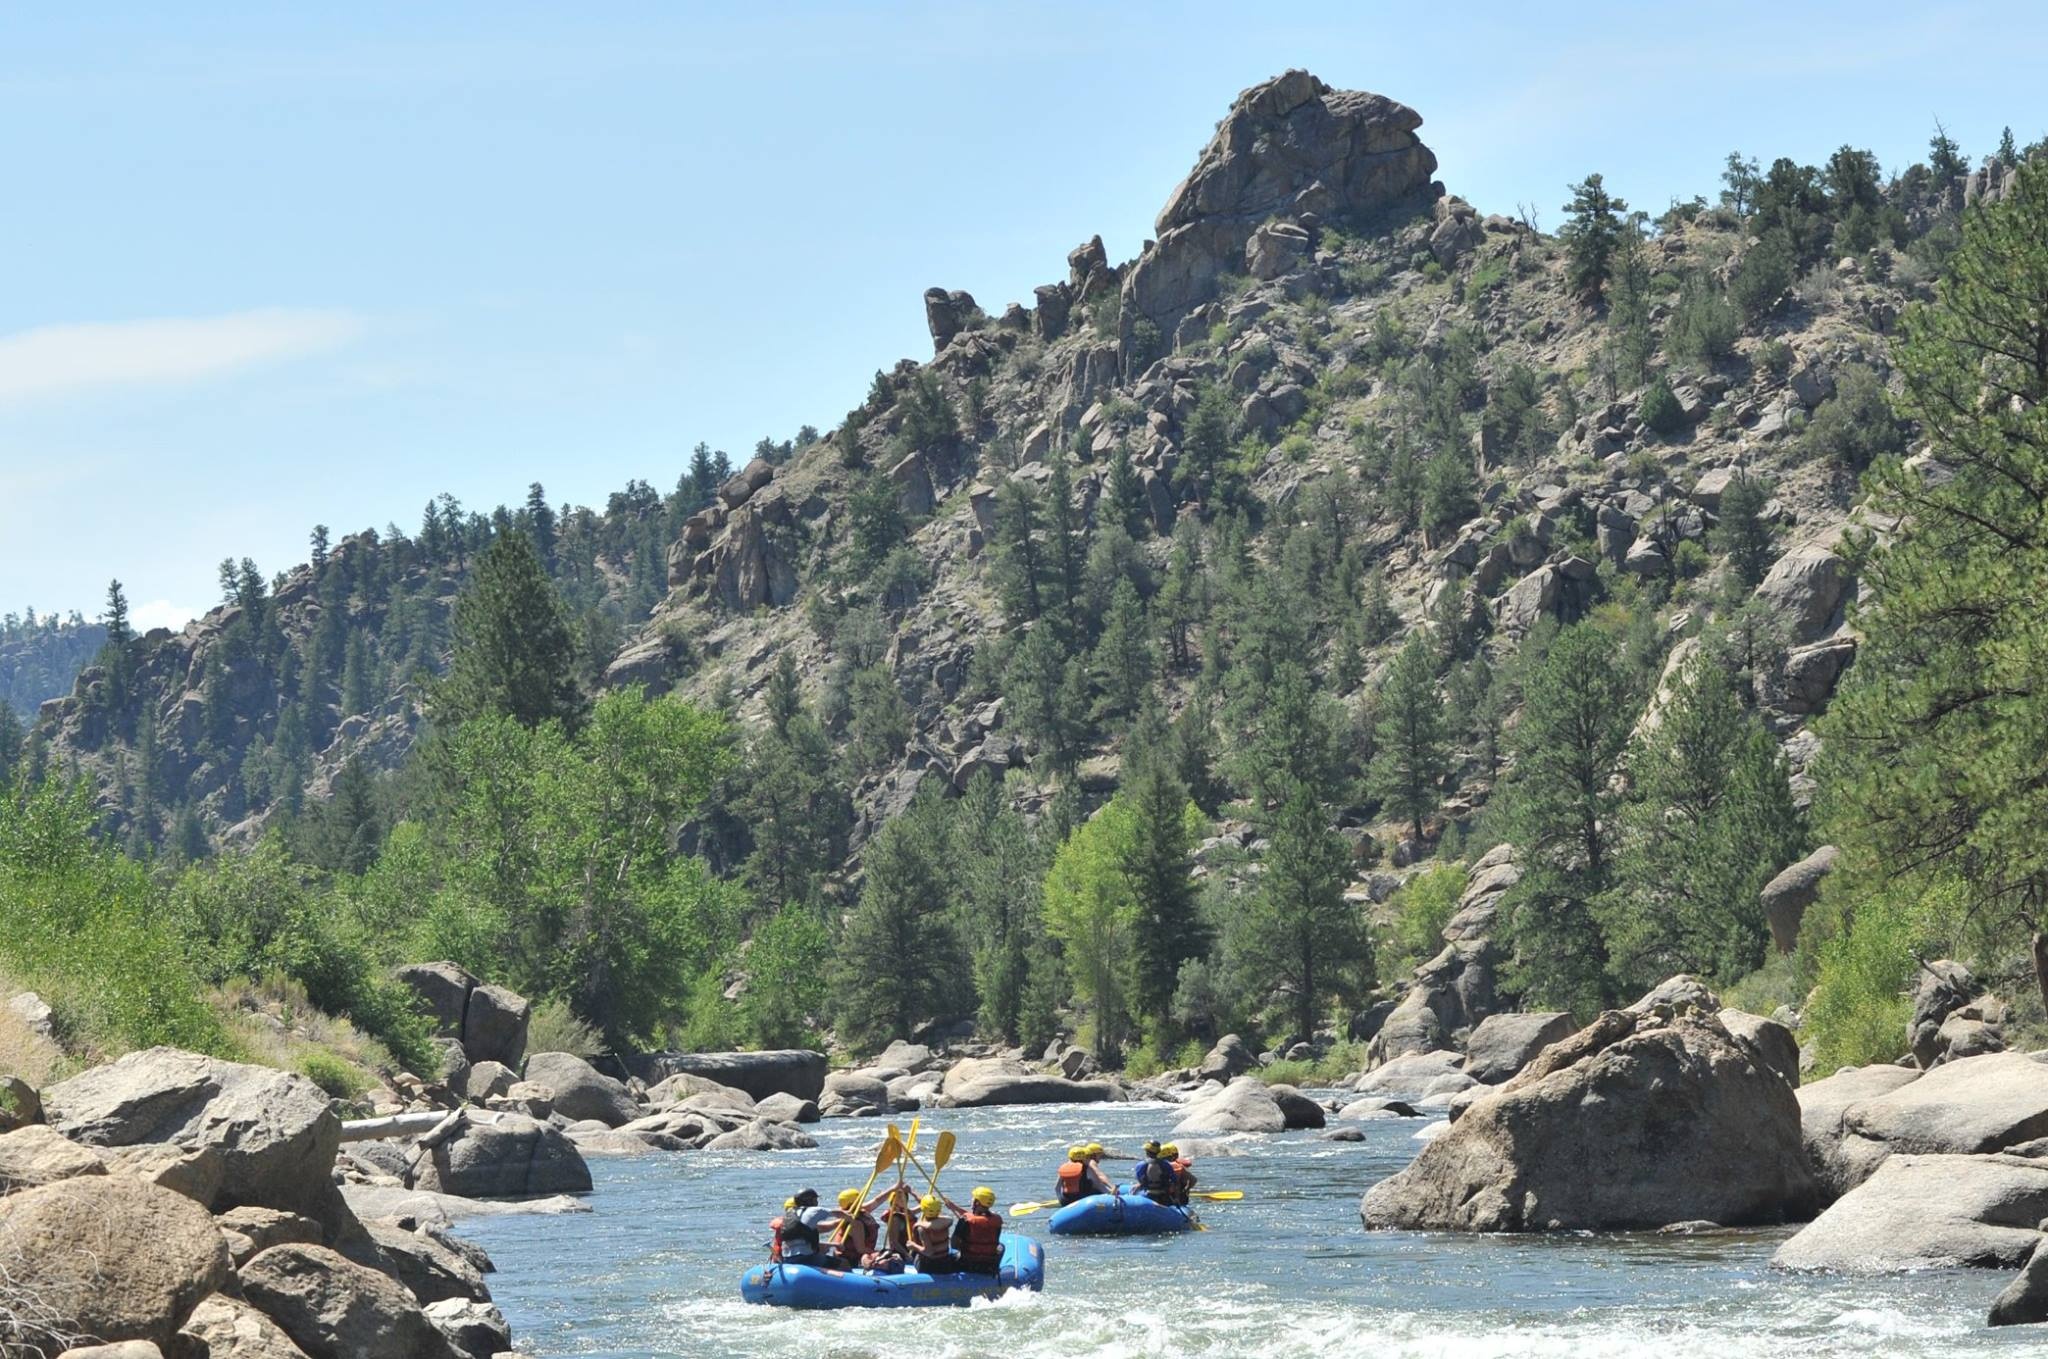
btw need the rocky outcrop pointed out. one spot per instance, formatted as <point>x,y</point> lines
<point>1786,897</point>
<point>1503,1044</point>
<point>228,1328</point>
<point>1455,990</point>
<point>579,1090</point>
<point>794,1071</point>
<point>1771,1041</point>
<point>1971,1105</point>
<point>2024,1301</point>
<point>946,314</point>
<point>274,1132</point>
<point>1925,1212</point>
<point>1638,1120</point>
<point>1245,1105</point>
<point>333,1308</point>
<point>489,1021</point>
<point>1804,591</point>
<point>1291,148</point>
<point>108,1257</point>
<point>1950,1019</point>
<point>1226,1061</point>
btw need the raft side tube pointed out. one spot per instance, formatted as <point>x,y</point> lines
<point>818,1288</point>
<point>1123,1213</point>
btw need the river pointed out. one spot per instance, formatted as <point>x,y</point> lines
<point>654,1271</point>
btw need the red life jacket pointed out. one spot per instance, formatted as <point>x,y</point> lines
<point>774,1240</point>
<point>1073,1181</point>
<point>981,1237</point>
<point>859,1240</point>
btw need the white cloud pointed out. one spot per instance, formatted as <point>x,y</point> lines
<point>160,613</point>
<point>52,360</point>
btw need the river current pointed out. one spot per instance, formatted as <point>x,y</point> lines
<point>654,1270</point>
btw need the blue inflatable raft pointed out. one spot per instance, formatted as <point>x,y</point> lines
<point>1120,1214</point>
<point>812,1287</point>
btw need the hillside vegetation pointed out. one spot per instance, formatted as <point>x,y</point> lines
<point>1151,662</point>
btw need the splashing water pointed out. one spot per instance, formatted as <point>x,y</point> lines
<point>1286,1274</point>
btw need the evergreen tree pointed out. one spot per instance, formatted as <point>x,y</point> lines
<point>540,522</point>
<point>1047,695</point>
<point>357,682</point>
<point>1742,533</point>
<point>1205,451</point>
<point>350,832</point>
<point>900,961</point>
<point>703,478</point>
<point>1158,862</point>
<point>1066,555</point>
<point>797,813</point>
<point>514,652</point>
<point>13,738</point>
<point>1591,234</point>
<point>1124,660</point>
<point>1295,934</point>
<point>2008,151</point>
<point>1018,565</point>
<point>318,547</point>
<point>1946,161</point>
<point>1183,603</point>
<point>1933,792</point>
<point>1124,493</point>
<point>784,698</point>
<point>115,619</point>
<point>1408,771</point>
<point>1741,180</point>
<point>1709,821</point>
<point>1449,494</point>
<point>999,870</point>
<point>1559,808</point>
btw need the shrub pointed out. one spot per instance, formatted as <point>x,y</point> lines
<point>1421,910</point>
<point>1859,1008</point>
<point>1297,447</point>
<point>1486,276</point>
<point>339,1079</point>
<point>1660,410</point>
<point>1762,275</point>
<point>554,1027</point>
<point>1705,324</point>
<point>1774,356</point>
<point>1690,559</point>
<point>1855,427</point>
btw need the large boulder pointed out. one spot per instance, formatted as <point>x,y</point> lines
<point>580,1090</point>
<point>789,1109</point>
<point>795,1071</point>
<point>912,1058</point>
<point>981,1081</point>
<point>1455,990</point>
<point>1410,1075</point>
<point>1229,1059</point>
<point>228,1328</point>
<point>477,1329</point>
<point>1636,1121</point>
<point>1288,147</point>
<point>1822,1107</point>
<point>275,1131</point>
<point>1803,591</point>
<point>1298,1109</point>
<point>853,1094</point>
<point>333,1308</point>
<point>1942,988</point>
<point>499,1155</point>
<point>494,1028</point>
<point>1773,1041</point>
<point>1786,897</point>
<point>107,1257</point>
<point>431,1270</point>
<point>2025,1300</point>
<point>763,1134</point>
<point>1503,1044</point>
<point>441,991</point>
<point>1926,1212</point>
<point>1973,1104</point>
<point>1243,1106</point>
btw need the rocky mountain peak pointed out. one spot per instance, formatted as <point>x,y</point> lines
<point>1291,149</point>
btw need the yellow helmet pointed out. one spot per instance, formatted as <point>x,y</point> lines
<point>788,1204</point>
<point>1077,1153</point>
<point>930,1204</point>
<point>1169,1151</point>
<point>849,1199</point>
<point>1151,1148</point>
<point>984,1196</point>
<point>1094,1149</point>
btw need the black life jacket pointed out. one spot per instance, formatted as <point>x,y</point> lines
<point>799,1238</point>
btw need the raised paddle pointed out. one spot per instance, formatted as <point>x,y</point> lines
<point>941,1154</point>
<point>884,1158</point>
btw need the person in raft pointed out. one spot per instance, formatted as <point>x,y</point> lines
<point>1183,1173</point>
<point>775,1231</point>
<point>803,1230</point>
<point>857,1240</point>
<point>978,1233</point>
<point>898,1217</point>
<point>931,1239</point>
<point>1078,1178</point>
<point>1155,1176</point>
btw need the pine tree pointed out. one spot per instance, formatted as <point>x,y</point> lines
<point>704,479</point>
<point>1591,233</point>
<point>115,619</point>
<point>350,831</point>
<point>1408,771</point>
<point>1018,560</point>
<point>1066,550</point>
<point>540,522</point>
<point>1124,493</point>
<point>1295,932</point>
<point>1124,662</point>
<point>1742,533</point>
<point>1708,822</point>
<point>357,682</point>
<point>1158,862</point>
<point>900,962</point>
<point>1741,178</point>
<point>1205,451</point>
<point>1183,603</point>
<point>1935,795</point>
<point>514,652</point>
<point>784,698</point>
<point>1559,807</point>
<point>999,869</point>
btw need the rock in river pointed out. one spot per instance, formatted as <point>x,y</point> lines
<point>580,1090</point>
<point>1638,1120</point>
<point>977,1082</point>
<point>1926,1212</point>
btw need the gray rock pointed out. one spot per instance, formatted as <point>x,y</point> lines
<point>2025,1300</point>
<point>1298,1109</point>
<point>1503,1044</point>
<point>1372,1109</point>
<point>1942,988</point>
<point>333,1308</point>
<point>1972,1105</point>
<point>502,1155</point>
<point>34,1156</point>
<point>228,1328</point>
<point>486,1080</point>
<point>853,1094</point>
<point>1786,897</point>
<point>1246,1105</point>
<point>1230,1058</point>
<point>1822,1106</point>
<point>794,1071</point>
<point>1804,590</point>
<point>110,1257</point>
<point>275,1132</point>
<point>1411,1074</point>
<point>425,1266</point>
<point>251,1231</point>
<point>789,1109</point>
<point>443,992</point>
<point>1681,1118</point>
<point>579,1090</point>
<point>912,1057</point>
<point>1924,1212</point>
<point>1773,1042</point>
<point>476,1329</point>
<point>763,1134</point>
<point>494,1027</point>
<point>980,1082</point>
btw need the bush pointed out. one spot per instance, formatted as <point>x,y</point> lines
<point>340,1080</point>
<point>1762,275</point>
<point>1421,910</point>
<point>1660,410</point>
<point>1855,427</point>
<point>1690,559</point>
<point>1774,356</point>
<point>554,1027</point>
<point>1859,1008</point>
<point>1705,324</point>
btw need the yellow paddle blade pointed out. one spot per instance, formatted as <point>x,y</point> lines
<point>910,1142</point>
<point>1021,1209</point>
<point>891,1149</point>
<point>943,1152</point>
<point>1218,1195</point>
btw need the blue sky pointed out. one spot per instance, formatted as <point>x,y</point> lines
<point>267,266</point>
